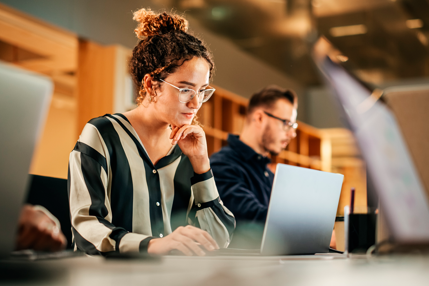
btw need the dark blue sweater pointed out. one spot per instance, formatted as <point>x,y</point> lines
<point>244,183</point>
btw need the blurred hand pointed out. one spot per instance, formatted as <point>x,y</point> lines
<point>185,239</point>
<point>192,141</point>
<point>333,243</point>
<point>37,231</point>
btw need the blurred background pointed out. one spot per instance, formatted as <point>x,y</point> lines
<point>84,46</point>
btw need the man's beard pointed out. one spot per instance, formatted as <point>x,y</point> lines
<point>267,138</point>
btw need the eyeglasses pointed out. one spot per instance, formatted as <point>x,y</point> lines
<point>187,94</point>
<point>287,124</point>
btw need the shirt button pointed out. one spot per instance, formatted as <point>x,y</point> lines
<point>259,157</point>
<point>157,204</point>
<point>154,171</point>
<point>160,235</point>
<point>199,205</point>
<point>266,174</point>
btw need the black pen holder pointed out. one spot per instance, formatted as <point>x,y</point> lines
<point>360,232</point>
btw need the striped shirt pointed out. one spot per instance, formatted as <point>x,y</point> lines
<point>119,200</point>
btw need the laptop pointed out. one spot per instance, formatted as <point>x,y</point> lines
<point>391,169</point>
<point>24,102</point>
<point>301,213</point>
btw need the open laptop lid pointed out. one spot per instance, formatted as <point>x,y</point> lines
<point>410,105</point>
<point>301,213</point>
<point>390,166</point>
<point>24,101</point>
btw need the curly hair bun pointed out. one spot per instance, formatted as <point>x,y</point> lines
<point>151,24</point>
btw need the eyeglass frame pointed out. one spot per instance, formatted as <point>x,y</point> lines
<point>180,90</point>
<point>287,124</point>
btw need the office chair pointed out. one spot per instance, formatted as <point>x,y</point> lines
<point>51,193</point>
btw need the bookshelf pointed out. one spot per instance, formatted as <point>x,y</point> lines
<point>329,150</point>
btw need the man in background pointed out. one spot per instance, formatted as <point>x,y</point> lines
<point>241,170</point>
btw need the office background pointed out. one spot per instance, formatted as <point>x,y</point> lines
<point>84,45</point>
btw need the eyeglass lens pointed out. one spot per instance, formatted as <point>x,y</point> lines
<point>187,95</point>
<point>289,125</point>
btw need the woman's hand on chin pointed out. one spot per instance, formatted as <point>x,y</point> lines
<point>192,141</point>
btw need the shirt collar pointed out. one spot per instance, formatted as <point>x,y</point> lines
<point>172,155</point>
<point>245,150</point>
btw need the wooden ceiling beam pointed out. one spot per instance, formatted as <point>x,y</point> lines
<point>24,21</point>
<point>47,66</point>
<point>58,46</point>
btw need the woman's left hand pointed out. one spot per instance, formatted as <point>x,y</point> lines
<point>192,141</point>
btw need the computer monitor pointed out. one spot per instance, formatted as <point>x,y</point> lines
<point>391,169</point>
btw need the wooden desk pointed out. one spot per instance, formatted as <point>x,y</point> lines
<point>208,271</point>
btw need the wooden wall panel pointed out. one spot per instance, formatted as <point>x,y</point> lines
<point>354,177</point>
<point>217,121</point>
<point>95,81</point>
<point>40,47</point>
<point>58,46</point>
<point>58,138</point>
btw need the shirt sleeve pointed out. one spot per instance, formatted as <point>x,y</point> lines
<point>235,192</point>
<point>209,212</point>
<point>91,216</point>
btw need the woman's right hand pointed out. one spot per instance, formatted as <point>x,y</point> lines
<point>186,239</point>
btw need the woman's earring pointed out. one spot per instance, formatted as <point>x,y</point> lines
<point>152,98</point>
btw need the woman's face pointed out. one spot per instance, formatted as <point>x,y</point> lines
<point>193,74</point>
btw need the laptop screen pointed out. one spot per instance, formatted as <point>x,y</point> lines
<point>24,102</point>
<point>390,166</point>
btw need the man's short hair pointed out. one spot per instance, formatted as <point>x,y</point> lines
<point>269,95</point>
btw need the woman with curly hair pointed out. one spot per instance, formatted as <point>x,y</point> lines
<point>141,180</point>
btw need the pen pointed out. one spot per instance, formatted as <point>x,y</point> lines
<point>352,201</point>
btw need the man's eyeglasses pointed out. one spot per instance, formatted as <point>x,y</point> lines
<point>287,124</point>
<point>187,94</point>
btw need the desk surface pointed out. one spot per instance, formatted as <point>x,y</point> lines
<point>218,271</point>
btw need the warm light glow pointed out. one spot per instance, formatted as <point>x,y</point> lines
<point>192,4</point>
<point>414,23</point>
<point>348,30</point>
<point>342,58</point>
<point>422,38</point>
<point>316,3</point>
<point>294,26</point>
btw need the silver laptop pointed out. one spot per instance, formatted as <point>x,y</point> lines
<point>302,210</point>
<point>24,102</point>
<point>301,213</point>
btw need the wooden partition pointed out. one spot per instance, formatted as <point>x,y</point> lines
<point>96,81</point>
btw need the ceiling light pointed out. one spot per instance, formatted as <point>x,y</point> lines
<point>220,13</point>
<point>192,4</point>
<point>342,58</point>
<point>422,38</point>
<point>348,30</point>
<point>414,23</point>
